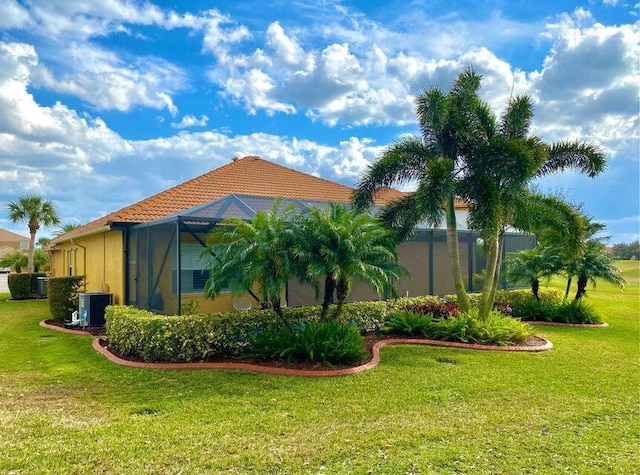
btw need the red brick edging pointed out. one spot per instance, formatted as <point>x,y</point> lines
<point>298,372</point>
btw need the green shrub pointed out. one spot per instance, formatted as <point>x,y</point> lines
<point>403,303</point>
<point>519,296</point>
<point>24,286</point>
<point>190,307</point>
<point>438,309</point>
<point>63,295</point>
<point>497,329</point>
<point>329,342</point>
<point>536,311</point>
<point>409,323</point>
<point>576,311</point>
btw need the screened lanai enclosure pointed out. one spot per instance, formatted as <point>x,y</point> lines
<point>167,259</point>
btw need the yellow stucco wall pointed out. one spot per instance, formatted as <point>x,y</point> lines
<point>99,257</point>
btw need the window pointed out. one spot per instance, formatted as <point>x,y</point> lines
<point>193,275</point>
<point>70,262</point>
<point>24,245</point>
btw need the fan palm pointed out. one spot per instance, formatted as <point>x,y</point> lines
<point>435,161</point>
<point>248,253</point>
<point>35,212</point>
<point>341,245</point>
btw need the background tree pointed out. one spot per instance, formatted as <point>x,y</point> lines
<point>36,212</point>
<point>341,245</point>
<point>435,161</point>
<point>65,228</point>
<point>625,251</point>
<point>42,242</point>
<point>16,260</point>
<point>248,253</point>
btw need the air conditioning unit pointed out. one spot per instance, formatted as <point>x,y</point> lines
<point>91,308</point>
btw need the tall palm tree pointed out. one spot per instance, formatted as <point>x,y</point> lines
<point>36,212</point>
<point>435,161</point>
<point>252,252</point>
<point>501,164</point>
<point>341,244</point>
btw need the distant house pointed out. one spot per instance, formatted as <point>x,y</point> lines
<point>11,242</point>
<point>149,254</point>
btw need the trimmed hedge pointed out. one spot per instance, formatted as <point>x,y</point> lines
<point>144,335</point>
<point>24,286</point>
<point>63,295</point>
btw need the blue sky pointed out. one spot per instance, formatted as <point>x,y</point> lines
<point>105,103</point>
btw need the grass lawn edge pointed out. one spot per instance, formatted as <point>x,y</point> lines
<point>255,368</point>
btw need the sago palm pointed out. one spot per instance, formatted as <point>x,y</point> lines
<point>248,253</point>
<point>531,265</point>
<point>594,263</point>
<point>36,212</point>
<point>340,245</point>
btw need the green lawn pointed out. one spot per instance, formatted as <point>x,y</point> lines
<point>574,409</point>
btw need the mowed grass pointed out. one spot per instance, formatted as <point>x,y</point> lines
<point>575,409</point>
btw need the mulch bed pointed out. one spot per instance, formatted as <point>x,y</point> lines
<point>369,342</point>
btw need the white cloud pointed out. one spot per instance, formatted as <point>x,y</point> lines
<point>13,15</point>
<point>106,81</point>
<point>589,83</point>
<point>190,121</point>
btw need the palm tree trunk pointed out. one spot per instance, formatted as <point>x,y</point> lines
<point>566,293</point>
<point>496,274</point>
<point>32,247</point>
<point>535,286</point>
<point>342,290</point>
<point>486,302</point>
<point>329,287</point>
<point>582,287</point>
<point>454,256</point>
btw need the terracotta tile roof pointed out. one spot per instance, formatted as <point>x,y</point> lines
<point>8,236</point>
<point>247,176</point>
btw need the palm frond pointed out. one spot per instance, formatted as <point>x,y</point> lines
<point>400,163</point>
<point>584,157</point>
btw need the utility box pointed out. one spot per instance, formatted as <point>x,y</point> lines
<point>91,308</point>
<point>41,286</point>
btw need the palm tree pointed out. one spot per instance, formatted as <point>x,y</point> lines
<point>15,260</point>
<point>531,265</point>
<point>595,263</point>
<point>42,242</point>
<point>35,212</point>
<point>252,252</point>
<point>435,161</point>
<point>342,244</point>
<point>65,228</point>
<point>501,165</point>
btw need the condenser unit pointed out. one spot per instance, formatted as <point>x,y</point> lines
<point>91,308</point>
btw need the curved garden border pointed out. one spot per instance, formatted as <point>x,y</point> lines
<point>298,372</point>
